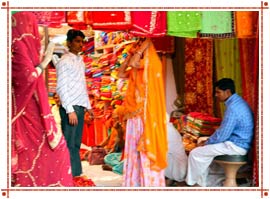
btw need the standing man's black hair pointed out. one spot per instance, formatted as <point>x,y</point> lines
<point>72,33</point>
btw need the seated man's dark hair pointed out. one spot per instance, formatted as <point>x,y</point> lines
<point>224,84</point>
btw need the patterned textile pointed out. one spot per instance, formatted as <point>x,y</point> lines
<point>183,23</point>
<point>136,170</point>
<point>76,19</point>
<point>227,65</point>
<point>246,24</point>
<point>39,152</point>
<point>217,24</point>
<point>149,23</point>
<point>198,76</point>
<point>110,20</point>
<point>51,19</point>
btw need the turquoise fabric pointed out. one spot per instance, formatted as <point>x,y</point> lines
<point>113,159</point>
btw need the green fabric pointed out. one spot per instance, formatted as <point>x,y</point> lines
<point>183,23</point>
<point>228,65</point>
<point>13,12</point>
<point>216,22</point>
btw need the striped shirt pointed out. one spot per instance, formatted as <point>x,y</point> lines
<point>237,124</point>
<point>71,84</point>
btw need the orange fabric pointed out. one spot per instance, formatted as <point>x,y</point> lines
<point>145,97</point>
<point>112,139</point>
<point>246,24</point>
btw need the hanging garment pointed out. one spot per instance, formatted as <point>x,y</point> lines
<point>199,76</point>
<point>149,23</point>
<point>184,23</point>
<point>246,24</point>
<point>217,24</point>
<point>110,20</point>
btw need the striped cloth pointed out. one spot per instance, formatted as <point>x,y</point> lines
<point>71,83</point>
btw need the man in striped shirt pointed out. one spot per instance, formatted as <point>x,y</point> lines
<point>233,137</point>
<point>72,90</point>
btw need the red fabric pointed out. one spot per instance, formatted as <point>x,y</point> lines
<point>149,23</point>
<point>39,153</point>
<point>76,19</point>
<point>164,44</point>
<point>198,76</point>
<point>52,19</point>
<point>249,62</point>
<point>110,20</point>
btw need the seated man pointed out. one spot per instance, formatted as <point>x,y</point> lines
<point>233,137</point>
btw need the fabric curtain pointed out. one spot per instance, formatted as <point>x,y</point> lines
<point>227,65</point>
<point>249,50</point>
<point>199,75</point>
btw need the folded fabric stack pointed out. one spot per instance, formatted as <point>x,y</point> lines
<point>51,80</point>
<point>202,124</point>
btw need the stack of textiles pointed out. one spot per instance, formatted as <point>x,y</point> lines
<point>202,124</point>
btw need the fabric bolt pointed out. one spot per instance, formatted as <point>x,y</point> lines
<point>217,24</point>
<point>39,152</point>
<point>184,23</point>
<point>149,23</point>
<point>237,124</point>
<point>198,76</point>
<point>71,82</point>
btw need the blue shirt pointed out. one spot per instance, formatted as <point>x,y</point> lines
<point>237,124</point>
<point>71,84</point>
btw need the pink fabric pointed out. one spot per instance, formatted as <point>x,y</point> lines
<point>136,170</point>
<point>149,23</point>
<point>39,153</point>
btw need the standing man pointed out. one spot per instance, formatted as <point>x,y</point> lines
<point>233,137</point>
<point>72,90</point>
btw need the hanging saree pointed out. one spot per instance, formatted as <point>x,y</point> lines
<point>227,66</point>
<point>198,76</point>
<point>249,59</point>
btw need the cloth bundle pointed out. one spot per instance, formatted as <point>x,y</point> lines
<point>202,123</point>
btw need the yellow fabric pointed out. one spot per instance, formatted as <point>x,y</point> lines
<point>228,64</point>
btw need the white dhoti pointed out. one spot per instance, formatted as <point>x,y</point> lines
<point>200,159</point>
